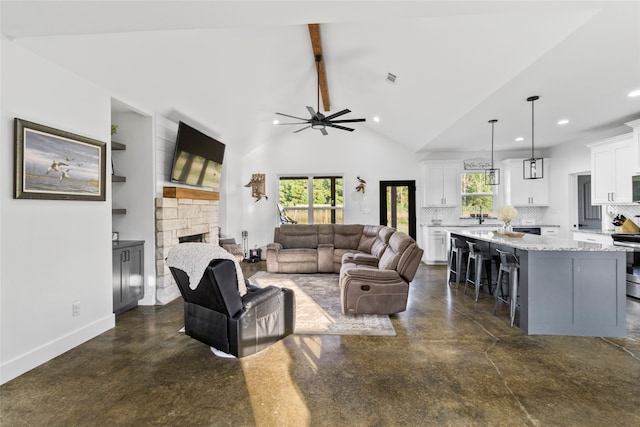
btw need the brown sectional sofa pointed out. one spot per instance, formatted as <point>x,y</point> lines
<point>375,262</point>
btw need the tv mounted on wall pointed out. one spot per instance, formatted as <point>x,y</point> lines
<point>198,158</point>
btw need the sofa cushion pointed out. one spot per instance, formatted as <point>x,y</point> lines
<point>325,234</point>
<point>298,255</point>
<point>347,236</point>
<point>369,236</point>
<point>298,236</point>
<point>382,241</point>
<point>391,256</point>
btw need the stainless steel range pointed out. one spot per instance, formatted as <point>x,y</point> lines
<point>631,240</point>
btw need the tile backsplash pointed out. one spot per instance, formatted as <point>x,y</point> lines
<point>629,211</point>
<point>530,215</point>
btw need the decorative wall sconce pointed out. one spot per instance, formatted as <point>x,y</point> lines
<point>492,175</point>
<point>533,168</point>
<point>257,185</point>
<point>362,185</point>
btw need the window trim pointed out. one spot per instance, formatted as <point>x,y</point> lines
<point>493,194</point>
<point>311,207</point>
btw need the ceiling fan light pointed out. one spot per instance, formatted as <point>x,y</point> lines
<point>318,126</point>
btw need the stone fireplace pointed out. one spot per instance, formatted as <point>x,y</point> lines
<point>190,215</point>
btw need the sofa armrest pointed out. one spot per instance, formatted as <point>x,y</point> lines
<point>325,258</point>
<point>365,259</point>
<point>258,296</point>
<point>272,256</point>
<point>274,246</point>
<point>370,273</point>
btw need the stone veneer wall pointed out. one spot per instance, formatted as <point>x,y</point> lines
<point>175,218</point>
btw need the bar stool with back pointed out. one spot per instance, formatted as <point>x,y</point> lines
<point>478,259</point>
<point>457,253</point>
<point>510,265</point>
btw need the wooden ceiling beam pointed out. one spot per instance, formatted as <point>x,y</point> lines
<point>316,44</point>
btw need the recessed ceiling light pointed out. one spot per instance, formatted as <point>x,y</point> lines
<point>563,122</point>
<point>634,93</point>
<point>519,139</point>
<point>376,119</point>
<point>276,121</point>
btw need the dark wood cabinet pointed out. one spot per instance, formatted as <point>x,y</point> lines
<point>128,274</point>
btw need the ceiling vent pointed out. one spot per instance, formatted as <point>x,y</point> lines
<point>391,78</point>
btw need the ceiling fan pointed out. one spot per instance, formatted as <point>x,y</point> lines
<point>318,120</point>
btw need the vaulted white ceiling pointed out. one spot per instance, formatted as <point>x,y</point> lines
<point>229,66</point>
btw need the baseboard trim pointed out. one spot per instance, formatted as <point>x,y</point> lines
<point>34,358</point>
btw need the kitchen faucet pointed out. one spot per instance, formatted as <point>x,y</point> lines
<point>480,220</point>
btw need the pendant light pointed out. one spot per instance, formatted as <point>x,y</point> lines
<point>492,175</point>
<point>533,167</point>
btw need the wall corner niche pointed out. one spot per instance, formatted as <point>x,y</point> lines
<point>132,186</point>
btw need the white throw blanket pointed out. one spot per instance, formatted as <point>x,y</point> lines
<point>193,259</point>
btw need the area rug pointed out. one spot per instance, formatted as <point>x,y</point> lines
<point>318,309</point>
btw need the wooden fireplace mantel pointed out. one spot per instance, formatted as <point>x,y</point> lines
<point>189,193</point>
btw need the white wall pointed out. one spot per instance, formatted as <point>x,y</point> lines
<point>54,253</point>
<point>350,154</point>
<point>568,159</point>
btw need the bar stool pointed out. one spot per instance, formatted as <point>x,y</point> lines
<point>510,265</point>
<point>459,250</point>
<point>480,260</point>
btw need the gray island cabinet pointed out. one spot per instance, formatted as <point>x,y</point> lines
<point>566,287</point>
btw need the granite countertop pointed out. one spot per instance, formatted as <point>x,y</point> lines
<point>532,242</point>
<point>605,232</point>
<point>483,225</point>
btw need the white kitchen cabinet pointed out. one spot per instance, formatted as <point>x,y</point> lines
<point>549,231</point>
<point>612,164</point>
<point>441,184</point>
<point>525,192</point>
<point>436,250</point>
<point>603,239</point>
<point>635,141</point>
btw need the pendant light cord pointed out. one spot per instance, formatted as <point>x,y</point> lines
<point>532,128</point>
<point>492,124</point>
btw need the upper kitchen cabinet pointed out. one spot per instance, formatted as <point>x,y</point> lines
<point>635,140</point>
<point>612,164</point>
<point>525,192</point>
<point>441,184</point>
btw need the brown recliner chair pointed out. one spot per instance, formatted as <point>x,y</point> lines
<point>366,288</point>
<point>216,314</point>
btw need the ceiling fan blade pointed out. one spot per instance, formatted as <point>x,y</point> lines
<point>293,117</point>
<point>348,121</point>
<point>297,124</point>
<point>338,114</point>
<point>300,130</point>
<point>339,127</point>
<point>324,131</point>
<point>311,111</point>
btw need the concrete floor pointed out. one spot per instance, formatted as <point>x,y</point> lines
<point>452,363</point>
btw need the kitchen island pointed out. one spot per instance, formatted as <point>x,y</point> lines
<point>566,287</point>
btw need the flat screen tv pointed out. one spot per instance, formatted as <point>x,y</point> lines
<point>198,158</point>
